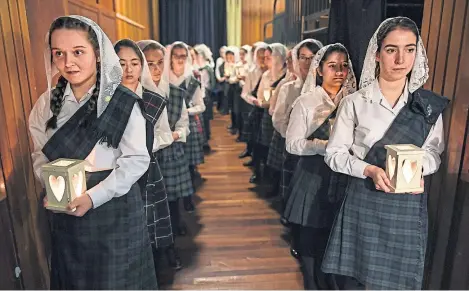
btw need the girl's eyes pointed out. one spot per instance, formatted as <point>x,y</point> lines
<point>58,54</point>
<point>78,52</point>
<point>390,51</point>
<point>411,50</point>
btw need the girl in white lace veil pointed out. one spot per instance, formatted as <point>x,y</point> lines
<point>279,58</point>
<point>110,69</point>
<point>370,72</point>
<point>85,117</point>
<point>188,62</point>
<point>163,84</point>
<point>316,45</point>
<point>310,84</point>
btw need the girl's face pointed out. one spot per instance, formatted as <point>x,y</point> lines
<point>304,59</point>
<point>155,59</point>
<point>178,60</point>
<point>74,56</point>
<point>268,59</point>
<point>242,55</point>
<point>260,56</point>
<point>397,55</point>
<point>334,70</point>
<point>131,66</point>
<point>230,58</point>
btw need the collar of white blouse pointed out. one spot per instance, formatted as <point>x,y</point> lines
<point>373,94</point>
<point>70,97</point>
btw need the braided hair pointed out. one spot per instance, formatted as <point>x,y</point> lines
<point>57,94</point>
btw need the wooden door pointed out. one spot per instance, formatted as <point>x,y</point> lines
<point>10,275</point>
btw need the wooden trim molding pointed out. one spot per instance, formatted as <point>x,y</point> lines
<point>129,21</point>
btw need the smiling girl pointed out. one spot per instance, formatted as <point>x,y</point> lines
<point>103,243</point>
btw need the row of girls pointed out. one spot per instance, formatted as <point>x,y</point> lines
<point>135,113</point>
<point>319,141</point>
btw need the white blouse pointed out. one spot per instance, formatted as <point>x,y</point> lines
<point>288,93</point>
<point>274,99</point>
<point>309,113</point>
<point>163,135</point>
<point>266,82</point>
<point>197,105</point>
<point>128,162</point>
<point>251,81</point>
<point>363,119</point>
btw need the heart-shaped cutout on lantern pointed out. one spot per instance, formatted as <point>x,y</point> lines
<point>391,166</point>
<point>77,182</point>
<point>409,169</point>
<point>57,184</point>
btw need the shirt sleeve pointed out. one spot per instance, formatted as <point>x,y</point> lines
<point>247,89</point>
<point>182,125</point>
<point>434,145</point>
<point>163,135</point>
<point>337,155</point>
<point>198,105</point>
<point>205,79</point>
<point>297,142</point>
<point>37,127</point>
<point>273,100</point>
<point>280,118</point>
<point>217,69</point>
<point>130,166</point>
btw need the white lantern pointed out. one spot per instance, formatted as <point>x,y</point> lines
<point>404,167</point>
<point>241,72</point>
<point>267,94</point>
<point>65,180</point>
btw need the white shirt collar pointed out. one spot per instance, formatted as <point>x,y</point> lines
<point>69,96</point>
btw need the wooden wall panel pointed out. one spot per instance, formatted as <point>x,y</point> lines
<point>254,15</point>
<point>445,32</point>
<point>16,97</point>
<point>133,19</point>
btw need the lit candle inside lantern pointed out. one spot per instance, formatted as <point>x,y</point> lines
<point>267,94</point>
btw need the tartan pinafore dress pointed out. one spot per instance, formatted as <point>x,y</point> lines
<point>172,160</point>
<point>154,194</point>
<point>193,148</point>
<point>380,238</point>
<point>109,247</point>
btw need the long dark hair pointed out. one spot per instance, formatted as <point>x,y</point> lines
<point>312,46</point>
<point>129,44</point>
<point>391,25</point>
<point>332,49</point>
<point>57,94</point>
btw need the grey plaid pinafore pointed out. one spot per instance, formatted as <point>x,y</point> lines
<point>380,238</point>
<point>173,163</point>
<point>308,203</point>
<point>290,162</point>
<point>193,148</point>
<point>252,122</point>
<point>109,247</point>
<point>276,148</point>
<point>154,195</point>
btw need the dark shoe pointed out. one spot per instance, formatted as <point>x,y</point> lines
<point>238,139</point>
<point>207,149</point>
<point>188,204</point>
<point>284,221</point>
<point>249,163</point>
<point>244,154</point>
<point>230,127</point>
<point>234,131</point>
<point>254,179</point>
<point>174,261</point>
<point>294,253</point>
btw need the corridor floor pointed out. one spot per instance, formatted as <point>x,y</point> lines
<point>235,240</point>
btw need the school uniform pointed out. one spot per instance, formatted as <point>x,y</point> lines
<point>387,249</point>
<point>109,247</point>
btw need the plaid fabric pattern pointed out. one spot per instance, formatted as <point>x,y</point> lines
<point>379,238</point>
<point>153,105</point>
<point>156,206</point>
<point>288,168</point>
<point>174,108</point>
<point>175,170</point>
<point>308,203</point>
<point>277,146</point>
<point>108,248</point>
<point>193,148</point>
<point>74,142</point>
<point>266,130</point>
